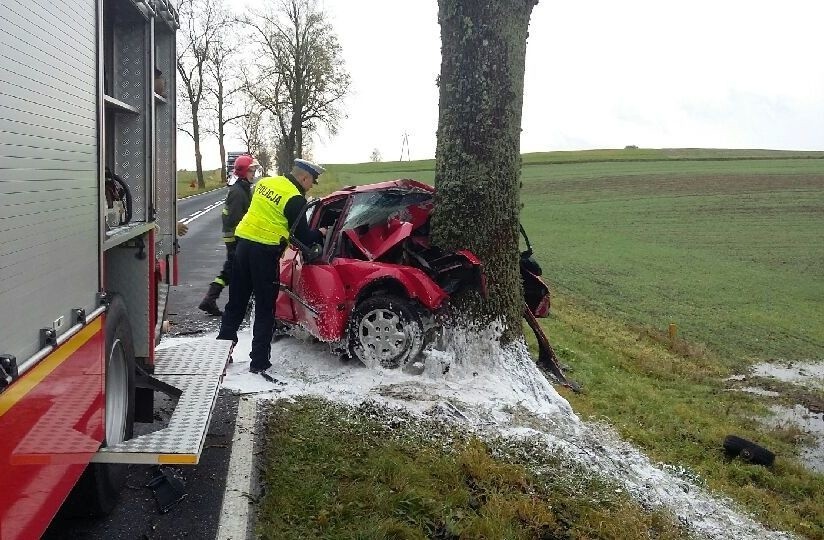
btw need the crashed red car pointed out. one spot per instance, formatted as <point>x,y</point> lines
<point>373,287</point>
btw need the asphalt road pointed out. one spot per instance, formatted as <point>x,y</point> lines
<point>201,257</point>
<point>197,515</point>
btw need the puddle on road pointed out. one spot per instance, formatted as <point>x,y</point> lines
<point>809,423</point>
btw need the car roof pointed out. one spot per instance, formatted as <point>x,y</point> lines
<point>407,183</point>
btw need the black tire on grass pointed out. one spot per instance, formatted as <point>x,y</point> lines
<point>748,451</point>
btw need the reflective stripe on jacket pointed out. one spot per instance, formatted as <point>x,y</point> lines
<point>265,221</point>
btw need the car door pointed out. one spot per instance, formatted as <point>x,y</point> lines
<point>285,302</point>
<point>317,291</point>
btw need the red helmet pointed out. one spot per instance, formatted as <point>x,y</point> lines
<point>242,164</point>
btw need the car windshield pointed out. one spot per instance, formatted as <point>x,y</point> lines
<point>378,206</point>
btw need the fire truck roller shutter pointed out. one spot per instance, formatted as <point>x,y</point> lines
<point>98,490</point>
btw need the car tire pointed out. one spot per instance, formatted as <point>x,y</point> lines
<point>748,451</point>
<point>386,331</point>
<point>98,490</point>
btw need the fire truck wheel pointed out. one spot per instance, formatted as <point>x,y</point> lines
<point>97,491</point>
<point>385,331</point>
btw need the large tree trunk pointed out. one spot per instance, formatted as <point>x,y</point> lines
<point>286,154</point>
<point>221,128</point>
<point>221,137</point>
<point>477,160</point>
<point>198,157</point>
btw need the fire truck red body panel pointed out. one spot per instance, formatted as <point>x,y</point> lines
<point>51,423</point>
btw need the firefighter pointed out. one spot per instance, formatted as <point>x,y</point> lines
<point>262,236</point>
<point>235,207</point>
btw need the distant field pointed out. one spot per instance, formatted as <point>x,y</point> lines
<point>727,244</point>
<point>185,179</point>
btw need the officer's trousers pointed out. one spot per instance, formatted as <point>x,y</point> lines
<point>255,270</point>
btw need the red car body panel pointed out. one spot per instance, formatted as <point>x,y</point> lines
<point>320,297</point>
<point>380,186</point>
<point>418,286</point>
<point>44,448</point>
<point>378,240</point>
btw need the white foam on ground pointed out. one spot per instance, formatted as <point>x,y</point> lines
<point>495,392</point>
<point>809,373</point>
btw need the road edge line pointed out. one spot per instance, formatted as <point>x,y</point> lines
<point>199,194</point>
<point>234,514</point>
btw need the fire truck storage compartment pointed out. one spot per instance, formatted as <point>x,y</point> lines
<point>139,125</point>
<point>139,133</point>
<point>49,194</point>
<point>129,103</point>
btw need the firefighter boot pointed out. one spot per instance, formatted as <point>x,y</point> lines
<point>209,303</point>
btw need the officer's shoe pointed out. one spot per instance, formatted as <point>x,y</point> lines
<point>259,369</point>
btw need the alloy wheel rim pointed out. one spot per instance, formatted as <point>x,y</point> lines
<point>382,336</point>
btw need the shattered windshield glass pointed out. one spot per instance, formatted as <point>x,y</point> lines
<point>378,206</point>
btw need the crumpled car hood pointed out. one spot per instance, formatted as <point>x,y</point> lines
<point>379,239</point>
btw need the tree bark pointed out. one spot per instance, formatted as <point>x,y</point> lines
<point>221,124</point>
<point>201,183</point>
<point>477,159</point>
<point>221,138</point>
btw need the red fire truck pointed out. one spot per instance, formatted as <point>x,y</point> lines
<point>87,256</point>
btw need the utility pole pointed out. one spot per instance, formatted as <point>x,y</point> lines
<point>405,146</point>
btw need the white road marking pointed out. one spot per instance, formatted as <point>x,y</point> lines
<point>192,217</point>
<point>199,194</point>
<point>234,516</point>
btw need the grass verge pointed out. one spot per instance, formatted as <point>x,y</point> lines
<point>335,472</point>
<point>676,406</point>
<point>187,182</point>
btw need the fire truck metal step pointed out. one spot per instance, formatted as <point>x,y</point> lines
<point>196,369</point>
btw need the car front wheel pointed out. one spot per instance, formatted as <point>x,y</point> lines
<point>385,331</point>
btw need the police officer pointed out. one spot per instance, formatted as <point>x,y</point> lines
<point>235,207</point>
<point>262,236</point>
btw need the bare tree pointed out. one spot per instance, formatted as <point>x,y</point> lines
<point>201,22</point>
<point>300,78</point>
<point>264,157</point>
<point>255,135</point>
<point>252,128</point>
<point>226,84</point>
<point>375,156</point>
<point>477,158</point>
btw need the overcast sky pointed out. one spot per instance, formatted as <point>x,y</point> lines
<point>599,74</point>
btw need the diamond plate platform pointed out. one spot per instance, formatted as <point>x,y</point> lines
<point>196,369</point>
<point>55,439</point>
<point>201,357</point>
